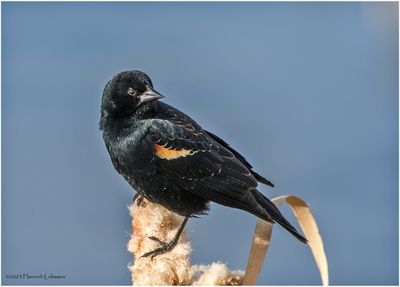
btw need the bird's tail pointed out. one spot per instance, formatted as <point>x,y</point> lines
<point>276,215</point>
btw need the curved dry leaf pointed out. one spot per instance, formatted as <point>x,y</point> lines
<point>262,236</point>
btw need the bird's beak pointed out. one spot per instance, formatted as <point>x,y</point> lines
<point>150,95</point>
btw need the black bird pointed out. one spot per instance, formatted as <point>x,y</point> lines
<point>170,160</point>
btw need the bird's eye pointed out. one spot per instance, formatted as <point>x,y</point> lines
<point>131,92</point>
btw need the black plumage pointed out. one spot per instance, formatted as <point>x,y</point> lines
<point>170,160</point>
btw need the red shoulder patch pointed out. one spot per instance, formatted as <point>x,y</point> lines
<point>166,153</point>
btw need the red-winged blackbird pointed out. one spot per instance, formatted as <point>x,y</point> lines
<point>170,160</point>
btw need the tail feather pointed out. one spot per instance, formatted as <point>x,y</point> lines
<point>276,215</point>
<point>262,179</point>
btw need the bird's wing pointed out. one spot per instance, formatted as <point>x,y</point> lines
<point>182,120</point>
<point>187,155</point>
<point>259,177</point>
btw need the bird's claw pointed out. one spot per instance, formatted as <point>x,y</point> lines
<point>158,251</point>
<point>158,240</point>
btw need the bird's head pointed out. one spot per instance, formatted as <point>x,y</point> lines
<point>126,92</point>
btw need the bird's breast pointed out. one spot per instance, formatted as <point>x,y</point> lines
<point>131,154</point>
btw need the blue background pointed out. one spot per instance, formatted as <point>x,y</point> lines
<point>307,92</point>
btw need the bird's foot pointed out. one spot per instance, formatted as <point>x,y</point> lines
<point>165,247</point>
<point>138,199</point>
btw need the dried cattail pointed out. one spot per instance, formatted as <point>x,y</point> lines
<point>171,268</point>
<point>174,267</point>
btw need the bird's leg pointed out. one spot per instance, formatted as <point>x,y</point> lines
<point>166,247</point>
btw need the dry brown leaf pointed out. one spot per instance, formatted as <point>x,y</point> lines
<point>262,236</point>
